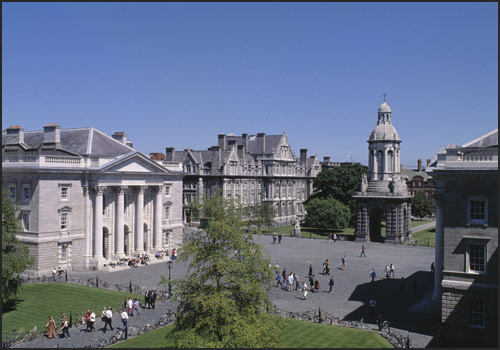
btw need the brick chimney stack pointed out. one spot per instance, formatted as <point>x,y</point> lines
<point>419,165</point>
<point>51,136</point>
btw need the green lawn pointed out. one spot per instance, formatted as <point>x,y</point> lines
<point>426,238</point>
<point>37,302</point>
<point>308,232</point>
<point>415,223</point>
<point>298,334</point>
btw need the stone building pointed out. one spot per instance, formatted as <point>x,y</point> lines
<point>418,180</point>
<point>466,261</point>
<point>383,192</point>
<point>250,168</point>
<point>86,199</point>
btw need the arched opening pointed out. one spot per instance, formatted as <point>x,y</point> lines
<point>375,221</point>
<point>380,164</point>
<point>390,162</point>
<point>106,243</point>
<point>127,243</point>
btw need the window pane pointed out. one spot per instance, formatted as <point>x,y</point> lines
<point>477,254</point>
<point>476,313</point>
<point>477,210</point>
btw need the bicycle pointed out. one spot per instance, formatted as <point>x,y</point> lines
<point>76,280</point>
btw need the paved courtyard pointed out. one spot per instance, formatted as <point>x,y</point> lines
<point>352,290</point>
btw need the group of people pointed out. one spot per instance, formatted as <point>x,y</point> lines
<point>150,298</point>
<point>51,326</point>
<point>277,237</point>
<point>133,307</point>
<point>332,237</point>
<point>57,272</point>
<point>291,281</point>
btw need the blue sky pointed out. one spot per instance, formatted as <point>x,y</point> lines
<point>178,74</point>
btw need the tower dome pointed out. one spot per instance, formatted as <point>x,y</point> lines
<point>384,108</point>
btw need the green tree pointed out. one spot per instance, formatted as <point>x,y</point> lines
<point>15,257</point>
<point>340,183</point>
<point>327,213</point>
<point>223,301</point>
<point>422,205</point>
<point>261,214</point>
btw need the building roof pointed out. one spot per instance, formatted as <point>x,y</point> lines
<point>384,108</point>
<point>411,173</point>
<point>384,131</point>
<point>81,141</point>
<point>488,140</point>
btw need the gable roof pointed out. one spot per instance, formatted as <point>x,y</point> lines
<point>488,140</point>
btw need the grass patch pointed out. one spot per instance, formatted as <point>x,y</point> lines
<point>297,334</point>
<point>38,301</point>
<point>308,232</point>
<point>415,223</point>
<point>426,237</point>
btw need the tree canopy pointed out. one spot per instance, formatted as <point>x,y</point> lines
<point>340,183</point>
<point>261,214</point>
<point>15,257</point>
<point>224,298</point>
<point>327,213</point>
<point>422,205</point>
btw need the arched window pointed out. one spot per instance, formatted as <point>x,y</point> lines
<point>380,162</point>
<point>390,162</point>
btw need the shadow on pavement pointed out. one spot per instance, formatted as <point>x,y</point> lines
<point>395,306</point>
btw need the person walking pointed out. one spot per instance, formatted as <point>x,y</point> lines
<point>311,282</point>
<point>331,283</point>
<point>153,298</point>
<point>373,304</point>
<point>290,282</point>
<point>92,320</point>
<point>330,237</point>
<point>279,280</point>
<point>136,307</point>
<point>146,299</point>
<point>280,237</point>
<point>297,283</point>
<point>432,267</point>
<point>316,285</point>
<point>373,275</point>
<point>130,306</point>
<point>304,290</point>
<point>335,237</point>
<point>362,251</point>
<point>391,269</point>
<point>65,328</point>
<point>387,271</point>
<point>108,315</point>
<point>51,325</point>
<point>325,266</point>
<point>310,271</point>
<point>124,317</point>
<point>274,239</point>
<point>343,263</point>
<point>86,318</point>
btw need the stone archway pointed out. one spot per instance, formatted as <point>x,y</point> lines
<point>375,225</point>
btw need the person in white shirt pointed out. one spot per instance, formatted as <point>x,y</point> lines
<point>92,320</point>
<point>130,306</point>
<point>290,282</point>
<point>304,289</point>
<point>124,317</point>
<point>107,319</point>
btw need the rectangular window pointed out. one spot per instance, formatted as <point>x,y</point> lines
<point>477,210</point>
<point>477,257</point>
<point>12,191</point>
<point>64,221</point>
<point>167,190</point>
<point>167,213</point>
<point>25,221</point>
<point>476,314</point>
<point>64,192</point>
<point>26,193</point>
<point>64,253</point>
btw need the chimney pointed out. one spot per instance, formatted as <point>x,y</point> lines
<point>120,136</point>
<point>51,136</point>
<point>303,155</point>
<point>157,156</point>
<point>15,135</point>
<point>261,142</point>
<point>326,159</point>
<point>169,154</point>
<point>428,162</point>
<point>221,141</point>
<point>241,151</point>
<point>419,165</point>
<point>231,144</point>
<point>130,144</point>
<point>245,140</point>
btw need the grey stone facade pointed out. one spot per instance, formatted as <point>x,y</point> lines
<point>86,199</point>
<point>252,169</point>
<point>466,261</point>
<point>383,191</point>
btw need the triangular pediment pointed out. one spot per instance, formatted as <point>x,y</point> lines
<point>136,163</point>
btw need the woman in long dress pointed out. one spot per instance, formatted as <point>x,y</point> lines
<point>51,325</point>
<point>304,290</point>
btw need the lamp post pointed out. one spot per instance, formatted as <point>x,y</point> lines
<point>169,279</point>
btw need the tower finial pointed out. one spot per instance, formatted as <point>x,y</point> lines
<point>384,96</point>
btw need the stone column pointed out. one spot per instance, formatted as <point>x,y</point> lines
<point>88,224</point>
<point>438,251</point>
<point>98,246</point>
<point>200,188</point>
<point>158,216</point>
<point>139,220</point>
<point>120,213</point>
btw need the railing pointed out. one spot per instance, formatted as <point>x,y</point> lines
<point>64,160</point>
<point>475,155</point>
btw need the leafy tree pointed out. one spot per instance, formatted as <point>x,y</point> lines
<point>340,183</point>
<point>15,257</point>
<point>327,213</point>
<point>261,214</point>
<point>422,205</point>
<point>223,301</point>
